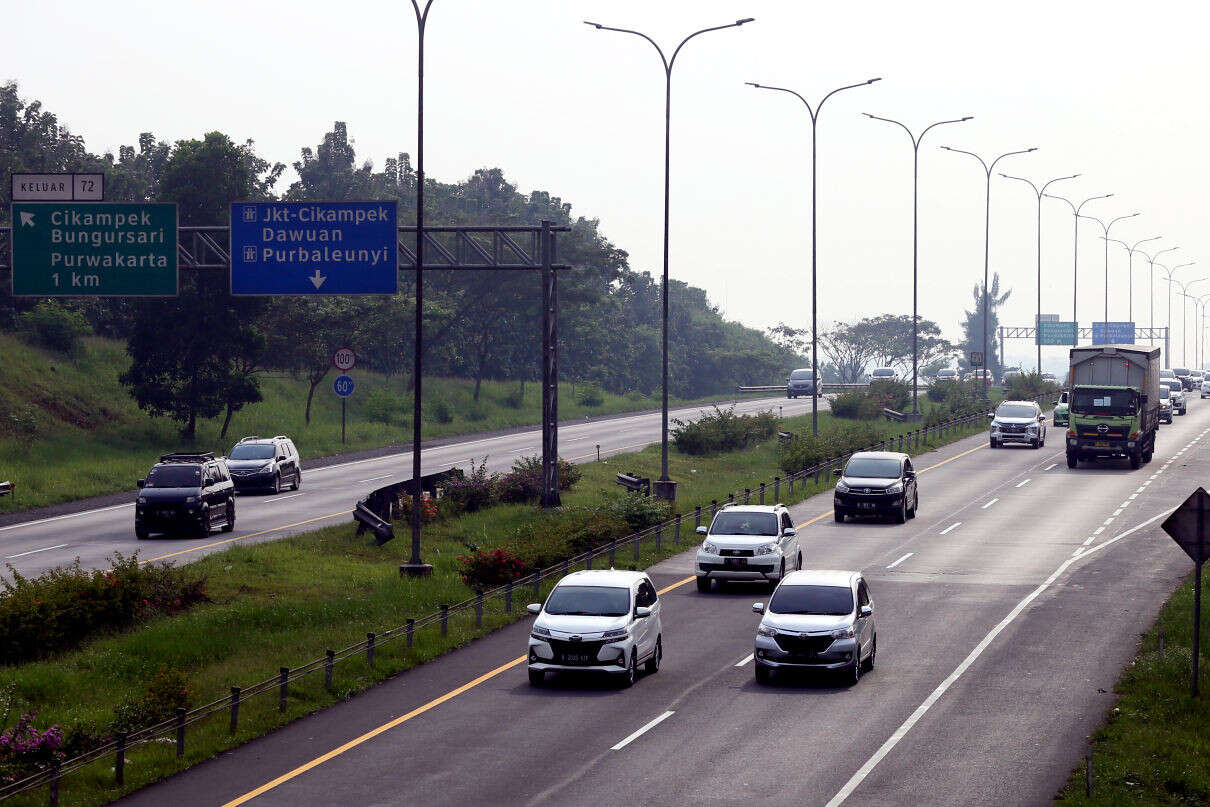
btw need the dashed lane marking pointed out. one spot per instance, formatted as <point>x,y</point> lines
<point>989,504</point>
<point>642,731</point>
<point>744,660</point>
<point>1024,482</point>
<point>901,560</point>
<point>35,551</point>
<point>953,526</point>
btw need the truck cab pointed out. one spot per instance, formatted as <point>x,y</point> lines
<point>1113,403</point>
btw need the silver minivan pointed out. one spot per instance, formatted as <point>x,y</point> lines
<point>817,620</point>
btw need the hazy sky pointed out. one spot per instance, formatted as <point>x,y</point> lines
<point>1115,91</point>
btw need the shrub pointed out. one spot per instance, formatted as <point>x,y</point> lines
<point>483,570</point>
<point>895,395</point>
<point>807,451</point>
<point>66,606</point>
<point>383,406</point>
<point>442,411</point>
<point>474,491</point>
<point>403,509</point>
<point>590,394</point>
<point>1027,387</point>
<point>524,482</point>
<point>167,691</point>
<point>723,430</point>
<point>847,404</point>
<point>53,326</point>
<point>639,512</point>
<point>477,412</point>
<point>589,528</point>
<point>24,749</point>
<point>938,391</point>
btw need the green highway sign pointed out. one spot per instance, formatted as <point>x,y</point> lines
<point>1056,333</point>
<point>94,249</point>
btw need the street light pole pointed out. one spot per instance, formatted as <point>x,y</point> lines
<point>987,220</point>
<point>666,491</point>
<point>1184,318</point>
<point>1075,252</point>
<point>1170,273</point>
<point>916,239</point>
<point>814,114</point>
<point>1040,192</point>
<point>1106,227</point>
<point>415,567</point>
<point>1151,263</point>
<point>1199,337</point>
<point>1130,250</point>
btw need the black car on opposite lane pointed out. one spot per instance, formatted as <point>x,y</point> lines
<point>185,492</point>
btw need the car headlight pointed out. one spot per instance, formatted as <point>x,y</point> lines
<point>766,549</point>
<point>142,500</point>
<point>709,548</point>
<point>268,466</point>
<point>1032,430</point>
<point>540,632</point>
<point>843,633</point>
<point>764,630</point>
<point>895,488</point>
<point>190,499</point>
<point>618,635</point>
<point>841,487</point>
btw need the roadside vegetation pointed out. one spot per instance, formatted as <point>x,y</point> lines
<point>1154,746</point>
<point>283,603</point>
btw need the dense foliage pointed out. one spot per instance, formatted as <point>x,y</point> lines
<point>723,430</point>
<point>1028,386</point>
<point>202,353</point>
<point>868,404</point>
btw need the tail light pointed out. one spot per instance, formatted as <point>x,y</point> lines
<point>1071,432</point>
<point>1134,435</point>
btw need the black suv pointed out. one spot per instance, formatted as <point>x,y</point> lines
<point>190,491</point>
<point>265,463</point>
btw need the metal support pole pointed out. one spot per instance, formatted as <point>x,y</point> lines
<point>410,632</point>
<point>637,540</point>
<point>508,597</point>
<point>445,620</point>
<point>697,516</point>
<point>1088,770</point>
<point>119,763</point>
<point>676,536</point>
<point>233,726</point>
<point>478,610</point>
<point>342,420</point>
<point>56,773</point>
<point>329,662</point>
<point>550,372</point>
<point>776,488</point>
<point>537,584</point>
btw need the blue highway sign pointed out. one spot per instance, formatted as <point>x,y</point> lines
<point>314,248</point>
<point>1113,333</point>
<point>343,386</point>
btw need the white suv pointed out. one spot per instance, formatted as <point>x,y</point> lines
<point>748,542</point>
<point>604,621</point>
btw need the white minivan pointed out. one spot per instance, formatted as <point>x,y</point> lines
<point>599,620</point>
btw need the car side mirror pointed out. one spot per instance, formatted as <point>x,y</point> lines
<point>837,472</point>
<point>789,532</point>
<point>141,483</point>
<point>281,457</point>
<point>534,608</point>
<point>991,415</point>
<point>701,530</point>
<point>909,474</point>
<point>642,612</point>
<point>866,610</point>
<point>758,607</point>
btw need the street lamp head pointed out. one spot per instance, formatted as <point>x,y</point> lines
<point>596,25</point>
<point>744,20</point>
<point>968,117</point>
<point>753,84</point>
<point>871,81</point>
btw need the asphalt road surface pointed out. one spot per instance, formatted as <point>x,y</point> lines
<point>328,494</point>
<point>1004,613</point>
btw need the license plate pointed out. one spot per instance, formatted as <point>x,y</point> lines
<point>735,561</point>
<point>167,513</point>
<point>867,505</point>
<point>1100,444</point>
<point>576,658</point>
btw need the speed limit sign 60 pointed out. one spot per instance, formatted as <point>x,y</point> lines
<point>344,359</point>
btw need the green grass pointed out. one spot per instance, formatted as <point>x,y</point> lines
<point>1154,747</point>
<point>282,603</point>
<point>69,430</point>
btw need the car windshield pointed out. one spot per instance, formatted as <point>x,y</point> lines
<point>1173,385</point>
<point>1105,401</point>
<point>817,600</point>
<point>1180,371</point>
<point>174,476</point>
<point>1167,374</point>
<point>871,468</point>
<point>726,523</point>
<point>1165,392</point>
<point>945,373</point>
<point>802,375</point>
<point>252,451</point>
<point>1015,411</point>
<point>589,601</point>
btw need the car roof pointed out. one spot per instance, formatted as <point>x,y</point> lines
<point>1022,403</point>
<point>820,577</point>
<point>618,578</point>
<point>752,508</point>
<point>879,455</point>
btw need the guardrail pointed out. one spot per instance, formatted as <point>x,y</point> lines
<point>635,483</point>
<point>174,729</point>
<point>827,386</point>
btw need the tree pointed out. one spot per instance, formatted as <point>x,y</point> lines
<point>850,348</point>
<point>972,325</point>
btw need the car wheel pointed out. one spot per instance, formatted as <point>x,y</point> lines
<point>203,524</point>
<point>1034,444</point>
<point>653,664</point>
<point>277,483</point>
<point>763,674</point>
<point>992,443</point>
<point>915,504</point>
<point>297,480</point>
<point>632,671</point>
<point>901,515</point>
<point>838,515</point>
<point>703,584</point>
<point>854,671</point>
<point>869,663</point>
<point>230,525</point>
<point>798,561</point>
<point>781,575</point>
<point>141,533</point>
<point>537,678</point>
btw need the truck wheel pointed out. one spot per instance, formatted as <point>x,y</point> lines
<point>1071,459</point>
<point>1136,460</point>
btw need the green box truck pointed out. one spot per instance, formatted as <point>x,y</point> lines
<point>1114,401</point>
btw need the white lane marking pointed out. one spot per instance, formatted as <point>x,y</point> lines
<point>953,526</point>
<point>35,551</point>
<point>1048,467</point>
<point>1107,522</point>
<point>901,560</point>
<point>745,660</point>
<point>1091,538</point>
<point>1117,512</point>
<point>989,504</point>
<point>69,515</point>
<point>372,479</point>
<point>941,689</point>
<point>280,498</point>
<point>641,731</point>
<point>1098,531</point>
<point>1024,483</point>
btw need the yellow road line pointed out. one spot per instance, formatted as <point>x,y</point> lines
<point>249,535</point>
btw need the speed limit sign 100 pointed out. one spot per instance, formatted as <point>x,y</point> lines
<point>344,359</point>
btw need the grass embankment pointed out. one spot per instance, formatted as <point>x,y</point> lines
<point>282,603</point>
<point>1154,748</point>
<point>70,430</point>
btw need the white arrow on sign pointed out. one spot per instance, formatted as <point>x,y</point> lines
<point>27,219</point>
<point>318,279</point>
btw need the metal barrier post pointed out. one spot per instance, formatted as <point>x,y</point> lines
<point>588,560</point>
<point>283,688</point>
<point>410,631</point>
<point>478,610</point>
<point>713,507</point>
<point>747,496</point>
<point>234,726</point>
<point>565,567</point>
<point>901,444</point>
<point>697,517</point>
<point>676,535</point>
<point>776,488</point>
<point>659,537</point>
<point>180,732</point>
<point>537,584</point>
<point>508,597</point>
<point>328,663</point>
<point>730,498</point>
<point>637,537</point>
<point>445,620</point>
<point>54,783</point>
<point>762,492</point>
<point>613,552</point>
<point>119,763</point>
<point>370,649</point>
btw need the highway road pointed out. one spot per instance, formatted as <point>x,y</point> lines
<point>328,494</point>
<point>1004,611</point>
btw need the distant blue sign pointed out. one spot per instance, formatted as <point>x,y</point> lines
<point>343,386</point>
<point>314,248</point>
<point>1113,333</point>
